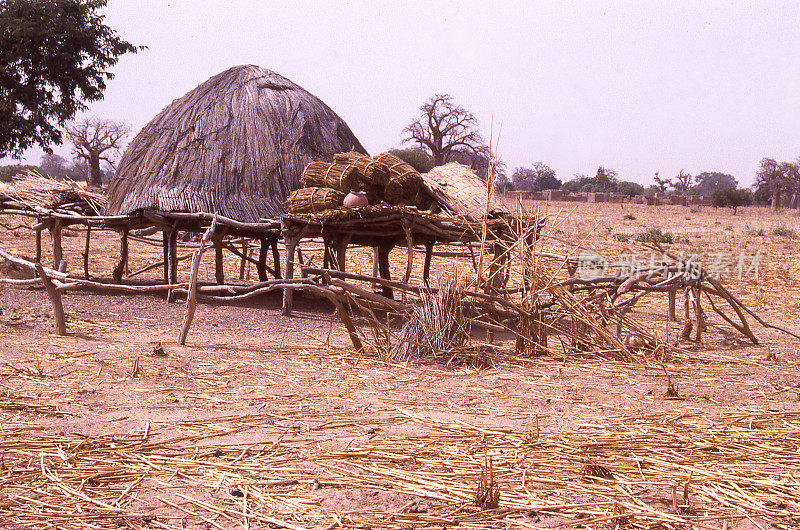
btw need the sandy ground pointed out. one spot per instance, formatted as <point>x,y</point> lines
<point>299,424</point>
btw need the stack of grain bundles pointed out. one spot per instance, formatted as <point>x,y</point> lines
<point>385,178</point>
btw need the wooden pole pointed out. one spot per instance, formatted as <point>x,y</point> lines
<point>191,296</point>
<point>86,252</point>
<point>58,254</point>
<point>55,298</point>
<point>410,258</point>
<point>219,265</point>
<point>341,243</point>
<point>38,258</point>
<point>122,264</point>
<point>290,242</point>
<point>383,267</point>
<point>426,271</point>
<point>276,258</point>
<point>165,248</point>
<point>671,312</point>
<point>261,267</point>
<point>245,253</point>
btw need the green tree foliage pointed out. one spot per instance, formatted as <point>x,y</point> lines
<point>54,166</point>
<point>538,177</point>
<point>54,56</point>
<point>604,181</point>
<point>416,157</point>
<point>9,172</point>
<point>707,183</point>
<point>732,198</point>
<point>629,188</point>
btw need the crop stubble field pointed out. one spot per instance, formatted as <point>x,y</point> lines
<point>266,421</point>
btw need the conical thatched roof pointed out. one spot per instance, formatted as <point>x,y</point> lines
<point>235,145</point>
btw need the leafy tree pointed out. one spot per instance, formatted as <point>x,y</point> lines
<point>55,55</point>
<point>97,140</point>
<point>445,129</point>
<point>416,157</point>
<point>538,177</point>
<point>707,183</point>
<point>604,181</point>
<point>732,198</point>
<point>502,184</point>
<point>7,173</point>
<point>55,166</point>
<point>629,188</point>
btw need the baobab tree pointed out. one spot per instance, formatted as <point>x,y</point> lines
<point>771,176</point>
<point>95,140</point>
<point>447,130</point>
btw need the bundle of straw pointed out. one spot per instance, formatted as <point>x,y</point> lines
<point>340,177</point>
<point>404,189</point>
<point>314,200</point>
<point>397,167</point>
<point>370,170</point>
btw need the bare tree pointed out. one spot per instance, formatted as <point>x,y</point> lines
<point>446,129</point>
<point>683,181</point>
<point>662,184</point>
<point>94,140</point>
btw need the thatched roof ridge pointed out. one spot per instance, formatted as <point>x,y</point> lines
<point>235,145</point>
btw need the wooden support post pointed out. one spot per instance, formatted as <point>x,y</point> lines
<point>219,264</point>
<point>276,258</point>
<point>122,264</point>
<point>165,248</point>
<point>290,241</point>
<point>671,312</point>
<point>86,252</point>
<point>261,267</point>
<point>171,261</point>
<point>341,242</point>
<point>191,296</point>
<point>426,271</point>
<point>407,231</point>
<point>245,254</point>
<point>55,298</point>
<point>383,266</point>
<point>58,254</point>
<point>38,258</point>
<point>326,252</point>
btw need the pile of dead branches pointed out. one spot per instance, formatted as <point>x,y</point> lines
<point>32,190</point>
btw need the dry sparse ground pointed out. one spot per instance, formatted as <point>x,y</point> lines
<point>265,421</point>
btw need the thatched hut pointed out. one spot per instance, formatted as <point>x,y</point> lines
<point>236,145</point>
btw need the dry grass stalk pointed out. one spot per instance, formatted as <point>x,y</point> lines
<point>487,497</point>
<point>435,327</point>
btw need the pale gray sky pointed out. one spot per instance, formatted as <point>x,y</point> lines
<point>634,86</point>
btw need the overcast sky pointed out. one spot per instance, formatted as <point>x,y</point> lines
<point>637,86</point>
